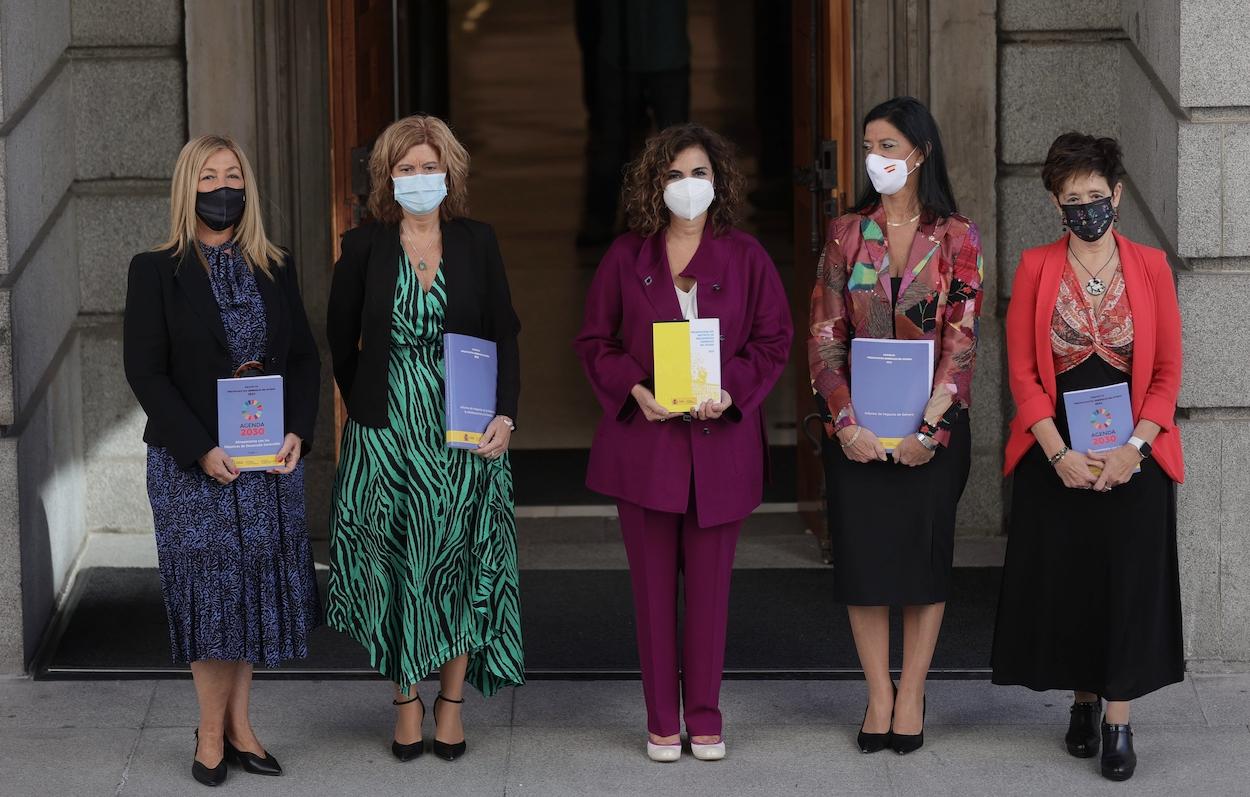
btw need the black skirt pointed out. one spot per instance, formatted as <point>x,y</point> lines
<point>1090,595</point>
<point>892,527</point>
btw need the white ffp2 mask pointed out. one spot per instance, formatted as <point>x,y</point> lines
<point>689,197</point>
<point>888,175</point>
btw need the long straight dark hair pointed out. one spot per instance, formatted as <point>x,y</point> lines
<point>914,121</point>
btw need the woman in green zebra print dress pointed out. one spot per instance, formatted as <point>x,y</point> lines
<point>422,536</point>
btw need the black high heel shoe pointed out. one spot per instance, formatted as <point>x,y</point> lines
<point>449,752</point>
<point>904,743</point>
<point>1118,757</point>
<point>1082,735</point>
<point>252,762</point>
<point>407,752</point>
<point>209,776</point>
<point>874,742</point>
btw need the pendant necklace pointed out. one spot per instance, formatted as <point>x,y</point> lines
<point>1094,286</point>
<point>421,265</point>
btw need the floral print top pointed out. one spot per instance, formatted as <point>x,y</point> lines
<point>939,300</point>
<point>1077,332</point>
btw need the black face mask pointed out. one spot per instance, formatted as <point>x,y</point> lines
<point>220,209</point>
<point>1090,221</point>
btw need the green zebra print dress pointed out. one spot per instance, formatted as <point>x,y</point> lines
<point>422,536</point>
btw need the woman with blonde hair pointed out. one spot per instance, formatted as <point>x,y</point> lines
<point>423,566</point>
<point>216,300</point>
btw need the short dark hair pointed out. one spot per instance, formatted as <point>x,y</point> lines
<point>1076,154</point>
<point>645,178</point>
<point>914,121</point>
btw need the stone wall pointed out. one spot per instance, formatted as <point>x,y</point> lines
<point>92,112</point>
<point>1167,77</point>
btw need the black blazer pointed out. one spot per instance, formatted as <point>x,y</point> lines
<point>174,349</point>
<point>362,298</point>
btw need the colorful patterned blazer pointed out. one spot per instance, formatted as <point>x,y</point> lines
<point>939,300</point>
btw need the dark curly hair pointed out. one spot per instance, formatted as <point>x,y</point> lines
<point>643,192</point>
<point>1076,154</point>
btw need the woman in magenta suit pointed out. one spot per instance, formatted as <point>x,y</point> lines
<point>684,482</point>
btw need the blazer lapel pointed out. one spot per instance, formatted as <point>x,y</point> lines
<point>707,269</point>
<point>924,246</point>
<point>872,234</point>
<point>271,294</point>
<point>652,269</point>
<point>193,281</point>
<point>457,257</point>
<point>1047,295</point>
<point>380,277</point>
<point>1141,305</point>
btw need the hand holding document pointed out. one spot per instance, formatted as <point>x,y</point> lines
<point>891,381</point>
<point>687,363</point>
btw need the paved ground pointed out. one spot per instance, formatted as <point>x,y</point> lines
<point>555,738</point>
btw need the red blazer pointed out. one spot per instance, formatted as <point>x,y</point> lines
<point>1156,373</point>
<point>652,464</point>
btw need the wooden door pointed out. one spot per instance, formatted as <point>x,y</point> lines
<point>362,104</point>
<point>825,154</point>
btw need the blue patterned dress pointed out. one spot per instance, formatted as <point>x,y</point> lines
<point>236,566</point>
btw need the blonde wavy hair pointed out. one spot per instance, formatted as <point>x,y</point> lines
<point>249,233</point>
<point>390,148</point>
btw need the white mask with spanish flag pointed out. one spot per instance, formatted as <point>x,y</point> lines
<point>888,175</point>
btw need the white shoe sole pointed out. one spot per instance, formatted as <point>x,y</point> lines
<point>708,752</point>
<point>663,753</point>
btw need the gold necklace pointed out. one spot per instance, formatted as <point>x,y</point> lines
<point>901,223</point>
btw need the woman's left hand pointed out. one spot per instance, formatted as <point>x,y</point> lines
<point>289,454</point>
<point>911,453</point>
<point>1118,465</point>
<point>711,410</point>
<point>495,440</point>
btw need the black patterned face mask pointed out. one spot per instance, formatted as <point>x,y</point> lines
<point>1090,221</point>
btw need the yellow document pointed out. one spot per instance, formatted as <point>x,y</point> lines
<point>687,363</point>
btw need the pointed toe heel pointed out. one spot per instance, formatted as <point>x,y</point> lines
<point>873,742</point>
<point>904,743</point>
<point>448,751</point>
<point>1119,760</point>
<point>407,752</point>
<point>209,776</point>
<point>268,765</point>
<point>1083,736</point>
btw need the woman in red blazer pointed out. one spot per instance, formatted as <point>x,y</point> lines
<point>1091,592</point>
<point>684,482</point>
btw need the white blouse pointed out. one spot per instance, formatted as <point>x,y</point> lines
<point>687,301</point>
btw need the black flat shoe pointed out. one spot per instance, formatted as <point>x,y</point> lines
<point>904,743</point>
<point>873,742</point>
<point>1082,735</point>
<point>252,762</point>
<point>448,752</point>
<point>407,752</point>
<point>209,776</point>
<point>1118,757</point>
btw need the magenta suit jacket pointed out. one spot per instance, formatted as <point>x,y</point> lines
<point>651,464</point>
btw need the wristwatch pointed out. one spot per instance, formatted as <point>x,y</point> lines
<point>927,441</point>
<point>1143,448</point>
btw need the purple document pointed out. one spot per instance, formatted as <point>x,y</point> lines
<point>1099,419</point>
<point>891,381</point>
<point>250,423</point>
<point>470,373</point>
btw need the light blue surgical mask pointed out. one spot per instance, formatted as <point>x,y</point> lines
<point>420,194</point>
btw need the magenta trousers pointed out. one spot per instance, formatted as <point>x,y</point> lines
<point>660,546</point>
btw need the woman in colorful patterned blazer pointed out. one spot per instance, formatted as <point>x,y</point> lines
<point>904,265</point>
